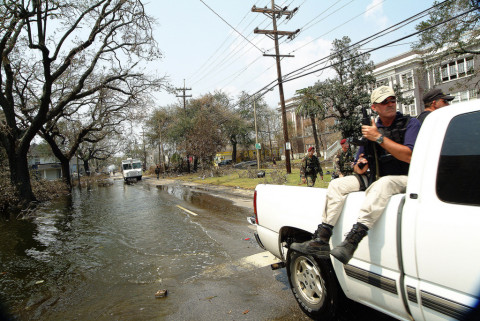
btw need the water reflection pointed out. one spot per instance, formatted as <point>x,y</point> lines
<point>104,251</point>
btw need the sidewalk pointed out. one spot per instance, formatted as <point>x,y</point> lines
<point>224,191</point>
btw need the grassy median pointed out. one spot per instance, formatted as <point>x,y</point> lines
<point>247,178</point>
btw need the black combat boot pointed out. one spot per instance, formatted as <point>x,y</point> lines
<point>318,245</point>
<point>344,251</point>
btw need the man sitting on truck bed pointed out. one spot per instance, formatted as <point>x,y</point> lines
<point>393,135</point>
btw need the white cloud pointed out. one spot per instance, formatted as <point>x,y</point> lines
<point>374,11</point>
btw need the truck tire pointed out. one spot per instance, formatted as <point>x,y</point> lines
<point>314,285</point>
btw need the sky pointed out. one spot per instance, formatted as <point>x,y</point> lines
<point>210,45</point>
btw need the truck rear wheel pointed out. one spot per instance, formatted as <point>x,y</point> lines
<point>314,285</point>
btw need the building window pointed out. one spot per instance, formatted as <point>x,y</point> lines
<point>472,93</point>
<point>455,69</point>
<point>382,82</point>
<point>464,95</point>
<point>469,62</point>
<point>413,110</point>
<point>407,80</point>
<point>410,110</point>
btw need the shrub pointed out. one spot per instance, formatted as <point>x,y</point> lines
<point>278,176</point>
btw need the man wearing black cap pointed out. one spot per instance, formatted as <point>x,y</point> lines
<point>310,168</point>
<point>433,100</point>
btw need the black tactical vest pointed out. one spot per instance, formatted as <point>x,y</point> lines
<point>389,165</point>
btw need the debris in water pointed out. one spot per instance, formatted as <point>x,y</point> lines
<point>161,293</point>
<point>39,282</point>
<point>246,311</point>
<point>246,239</point>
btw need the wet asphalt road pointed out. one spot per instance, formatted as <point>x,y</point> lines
<point>104,252</point>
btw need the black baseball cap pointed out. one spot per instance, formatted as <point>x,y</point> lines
<point>436,94</point>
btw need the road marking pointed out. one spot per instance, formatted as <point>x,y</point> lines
<point>188,211</point>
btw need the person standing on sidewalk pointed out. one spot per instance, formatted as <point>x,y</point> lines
<point>310,168</point>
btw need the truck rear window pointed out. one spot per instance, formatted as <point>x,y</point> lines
<point>458,176</point>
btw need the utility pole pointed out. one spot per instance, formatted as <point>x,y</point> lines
<point>184,89</point>
<point>144,152</point>
<point>184,96</point>
<point>256,133</point>
<point>273,13</point>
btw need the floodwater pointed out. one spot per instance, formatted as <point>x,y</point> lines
<point>103,253</point>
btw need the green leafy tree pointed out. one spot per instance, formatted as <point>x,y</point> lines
<point>245,133</point>
<point>451,38</point>
<point>198,130</point>
<point>310,106</point>
<point>158,126</point>
<point>457,36</point>
<point>349,88</point>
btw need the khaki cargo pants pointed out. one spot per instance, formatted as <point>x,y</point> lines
<point>376,197</point>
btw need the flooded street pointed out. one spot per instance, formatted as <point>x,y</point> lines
<point>103,253</point>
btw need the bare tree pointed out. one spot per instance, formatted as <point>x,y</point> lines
<point>99,151</point>
<point>55,53</point>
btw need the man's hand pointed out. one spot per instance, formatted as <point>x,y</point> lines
<point>370,132</point>
<point>361,160</point>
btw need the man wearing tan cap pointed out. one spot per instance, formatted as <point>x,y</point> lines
<point>394,136</point>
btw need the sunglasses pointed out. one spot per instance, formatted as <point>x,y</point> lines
<point>388,100</point>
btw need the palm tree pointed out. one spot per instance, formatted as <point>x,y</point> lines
<point>309,106</point>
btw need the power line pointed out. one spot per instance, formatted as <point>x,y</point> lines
<point>215,65</point>
<point>231,26</point>
<point>223,43</point>
<point>274,83</point>
<point>338,26</point>
<point>236,50</point>
<point>374,36</point>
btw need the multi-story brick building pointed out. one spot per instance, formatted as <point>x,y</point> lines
<point>301,132</point>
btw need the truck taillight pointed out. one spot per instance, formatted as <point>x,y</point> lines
<point>255,206</point>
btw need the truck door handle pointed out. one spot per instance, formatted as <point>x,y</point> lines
<point>413,196</point>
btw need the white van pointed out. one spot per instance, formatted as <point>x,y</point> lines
<point>132,169</point>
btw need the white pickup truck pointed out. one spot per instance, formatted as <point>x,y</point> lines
<point>421,260</point>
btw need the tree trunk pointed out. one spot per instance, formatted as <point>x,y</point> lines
<point>315,136</point>
<point>195,164</point>
<point>65,161</point>
<point>233,141</point>
<point>86,167</point>
<point>67,178</point>
<point>20,177</point>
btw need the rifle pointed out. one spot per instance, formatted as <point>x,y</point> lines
<point>370,149</point>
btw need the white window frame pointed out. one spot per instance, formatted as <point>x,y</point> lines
<point>455,69</point>
<point>409,82</point>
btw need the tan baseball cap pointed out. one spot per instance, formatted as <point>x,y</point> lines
<point>381,93</point>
